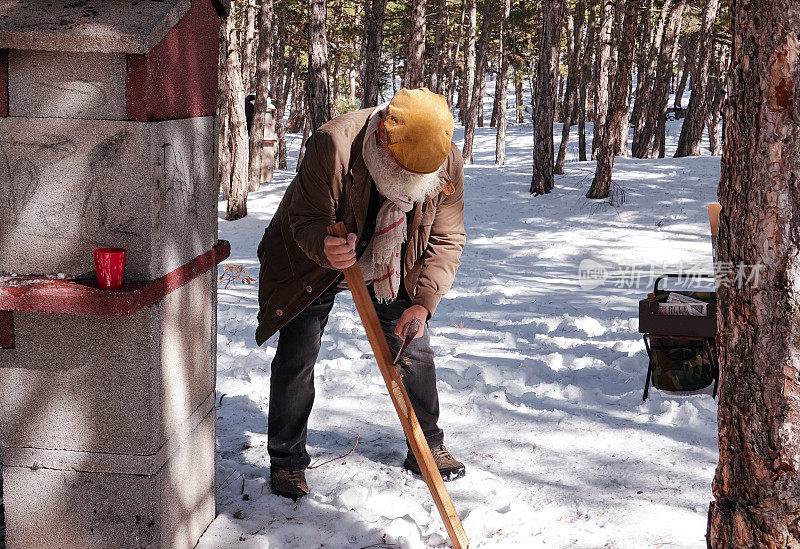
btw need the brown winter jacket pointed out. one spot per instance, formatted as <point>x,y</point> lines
<point>333,184</point>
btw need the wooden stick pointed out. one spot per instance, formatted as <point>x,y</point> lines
<point>713,217</point>
<point>402,404</point>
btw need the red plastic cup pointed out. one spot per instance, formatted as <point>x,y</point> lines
<point>109,263</point>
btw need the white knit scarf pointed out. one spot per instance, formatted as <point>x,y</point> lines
<point>380,262</point>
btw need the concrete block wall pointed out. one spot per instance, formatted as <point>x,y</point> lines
<point>73,185</point>
<point>84,380</point>
<point>168,505</point>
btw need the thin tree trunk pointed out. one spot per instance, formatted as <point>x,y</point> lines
<point>415,54</point>
<point>692,128</point>
<point>501,88</point>
<point>518,97</point>
<point>306,134</point>
<point>469,61</point>
<point>373,37</point>
<point>756,487</point>
<point>658,96</point>
<point>542,181</point>
<point>643,57</point>
<point>602,68</point>
<point>237,197</point>
<point>480,79</point>
<point>263,59</point>
<point>619,101</point>
<point>439,41</point>
<point>644,94</point>
<point>586,76</point>
<point>249,46</point>
<point>223,166</point>
<point>573,79</point>
<point>683,70</point>
<point>451,86</point>
<point>714,123</point>
<point>318,99</point>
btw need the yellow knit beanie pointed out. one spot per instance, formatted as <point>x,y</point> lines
<point>419,128</point>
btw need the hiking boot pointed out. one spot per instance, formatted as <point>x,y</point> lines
<point>449,467</point>
<point>288,484</point>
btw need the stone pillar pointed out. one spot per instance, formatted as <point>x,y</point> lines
<point>107,140</point>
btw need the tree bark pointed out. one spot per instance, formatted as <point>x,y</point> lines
<point>643,56</point>
<point>542,181</point>
<point>223,166</point>
<point>692,128</point>
<point>317,84</point>
<point>469,61</point>
<point>263,60</point>
<point>756,487</point>
<point>439,41</point>
<point>480,79</point>
<point>602,68</point>
<point>717,91</point>
<point>657,97</point>
<point>573,78</point>
<point>306,134</point>
<point>683,70</point>
<point>451,86</point>
<point>237,197</point>
<point>249,45</point>
<point>501,89</point>
<point>518,97</point>
<point>644,93</point>
<point>373,37</point>
<point>415,54</point>
<point>619,101</point>
<point>586,76</point>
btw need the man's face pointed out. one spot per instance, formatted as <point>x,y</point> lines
<point>390,176</point>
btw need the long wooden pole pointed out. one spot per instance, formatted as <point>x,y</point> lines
<point>402,404</point>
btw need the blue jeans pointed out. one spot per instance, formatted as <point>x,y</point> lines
<point>291,391</point>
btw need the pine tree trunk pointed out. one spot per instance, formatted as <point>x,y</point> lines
<point>237,197</point>
<point>586,76</point>
<point>644,94</point>
<point>756,487</point>
<point>479,82</point>
<point>451,86</point>
<point>542,181</point>
<point>683,78</point>
<point>263,59</point>
<point>469,61</point>
<point>657,97</point>
<point>318,100</point>
<point>249,46</point>
<point>415,55</point>
<point>223,166</point>
<point>306,134</point>
<point>520,107</point>
<point>501,89</point>
<point>714,122</point>
<point>574,54</point>
<point>602,70</point>
<point>692,128</point>
<point>373,37</point>
<point>619,101</point>
<point>643,57</point>
<point>439,40</point>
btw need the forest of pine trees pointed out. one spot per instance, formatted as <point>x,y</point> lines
<point>611,63</point>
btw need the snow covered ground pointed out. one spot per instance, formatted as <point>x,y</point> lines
<point>540,377</point>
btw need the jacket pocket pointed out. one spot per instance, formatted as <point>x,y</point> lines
<point>274,255</point>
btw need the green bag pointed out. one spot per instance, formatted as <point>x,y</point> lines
<point>681,364</point>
